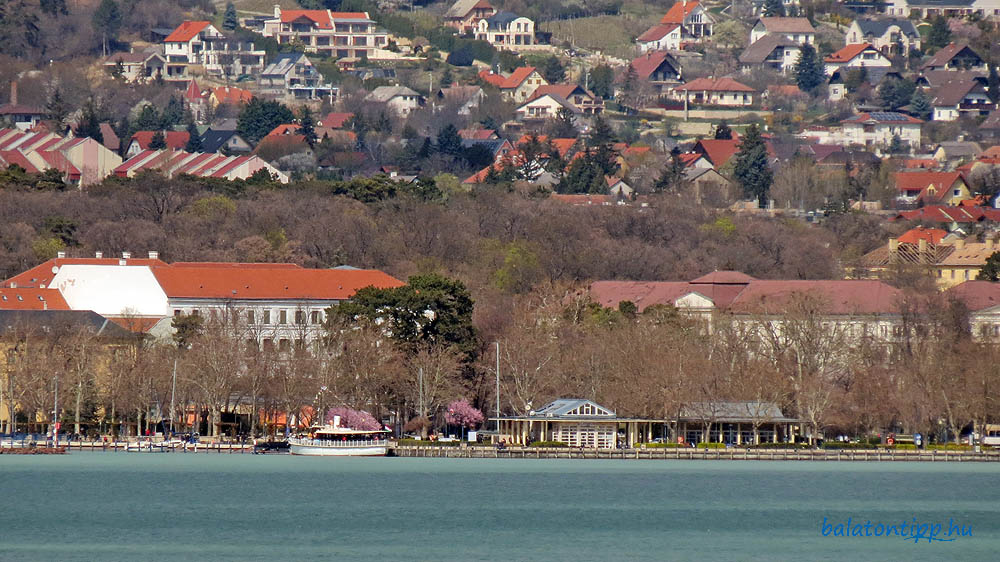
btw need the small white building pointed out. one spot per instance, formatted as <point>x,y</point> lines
<point>878,129</point>
<point>891,36</point>
<point>798,30</point>
<point>399,99</point>
<point>714,91</point>
<point>506,30</point>
<point>856,56</point>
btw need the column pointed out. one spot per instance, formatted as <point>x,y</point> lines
<point>739,433</point>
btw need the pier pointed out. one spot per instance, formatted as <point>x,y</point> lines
<point>684,453</point>
<point>128,446</point>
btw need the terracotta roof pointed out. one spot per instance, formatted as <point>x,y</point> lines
<point>41,275</point>
<point>837,297</point>
<point>714,85</point>
<point>8,157</point>
<point>193,92</point>
<point>226,282</point>
<point>477,134</point>
<point>725,278</point>
<point>176,140</point>
<point>848,53</point>
<point>918,181</point>
<point>231,95</point>
<point>336,120</point>
<point>787,25</point>
<point>947,214</point>
<point>186,31</point>
<point>914,235</point>
<point>645,65</point>
<point>657,32</point>
<point>971,254</point>
<point>515,79</point>
<point>493,78</point>
<point>319,17</point>
<point>32,299</point>
<point>976,295</point>
<point>679,11</point>
<point>136,325</point>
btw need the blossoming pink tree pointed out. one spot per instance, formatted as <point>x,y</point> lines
<point>354,419</point>
<point>463,414</point>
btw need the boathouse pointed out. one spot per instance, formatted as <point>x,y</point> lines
<point>575,422</point>
<point>735,423</point>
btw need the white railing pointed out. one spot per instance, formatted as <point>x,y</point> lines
<point>340,443</point>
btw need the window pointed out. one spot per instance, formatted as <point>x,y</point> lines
<point>266,317</point>
<point>249,317</point>
<point>314,317</point>
<point>178,312</point>
<point>284,345</point>
<point>282,317</point>
<point>300,317</point>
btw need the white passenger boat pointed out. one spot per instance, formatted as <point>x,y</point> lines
<point>331,440</point>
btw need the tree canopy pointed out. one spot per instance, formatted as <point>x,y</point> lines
<point>259,117</point>
<point>752,169</point>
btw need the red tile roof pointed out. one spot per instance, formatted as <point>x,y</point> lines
<point>8,157</point>
<point>176,140</point>
<point>186,31</point>
<point>679,11</point>
<point>477,134</point>
<point>976,295</point>
<point>657,32</point>
<point>836,297</point>
<point>320,17</point>
<point>848,53</point>
<point>714,85</point>
<point>231,95</point>
<point>510,82</point>
<point>645,65</point>
<point>32,299</point>
<point>920,182</point>
<point>336,120</point>
<point>266,283</point>
<point>915,235</point>
<point>946,214</point>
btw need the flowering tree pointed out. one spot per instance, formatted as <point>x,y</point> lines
<point>460,412</point>
<point>354,419</point>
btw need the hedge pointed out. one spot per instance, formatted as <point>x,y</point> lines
<point>711,445</point>
<point>659,445</point>
<point>780,446</point>
<point>841,445</point>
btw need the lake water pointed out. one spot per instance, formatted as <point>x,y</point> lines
<point>117,506</point>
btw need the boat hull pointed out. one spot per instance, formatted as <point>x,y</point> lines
<point>341,451</point>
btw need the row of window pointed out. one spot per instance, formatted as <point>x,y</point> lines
<point>299,317</point>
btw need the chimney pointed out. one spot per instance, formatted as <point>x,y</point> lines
<point>126,255</point>
<point>922,246</point>
<point>893,246</point>
<point>60,255</point>
<point>13,92</point>
<point>990,242</point>
<point>154,255</point>
<point>277,10</point>
<point>98,255</point>
<point>960,244</point>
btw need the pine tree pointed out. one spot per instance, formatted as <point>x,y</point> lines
<point>774,8</point>
<point>940,33</point>
<point>809,72</point>
<point>993,85</point>
<point>158,142</point>
<point>990,271</point>
<point>194,139</point>
<point>230,21</point>
<point>553,70</point>
<point>752,169</point>
<point>920,104</point>
<point>107,20</point>
<point>148,119</point>
<point>722,131</point>
<point>90,123</point>
<point>57,106</point>
<point>307,126</point>
<point>449,141</point>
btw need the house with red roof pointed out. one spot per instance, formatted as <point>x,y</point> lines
<point>855,56</point>
<point>878,128</point>
<point>685,22</point>
<point>546,101</point>
<point>172,163</point>
<point>336,120</point>
<point>658,68</point>
<point>331,34</point>
<point>931,188</point>
<point>516,86</point>
<point>928,235</point>
<point>201,43</point>
<point>81,161</point>
<point>464,15</point>
<point>714,91</point>
<point>720,151</point>
<point>175,140</point>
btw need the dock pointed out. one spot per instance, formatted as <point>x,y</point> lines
<point>684,453</point>
<point>130,446</point>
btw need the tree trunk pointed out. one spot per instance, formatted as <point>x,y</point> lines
<point>76,413</point>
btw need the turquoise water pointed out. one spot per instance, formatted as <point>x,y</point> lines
<point>117,506</point>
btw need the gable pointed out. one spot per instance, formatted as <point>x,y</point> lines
<point>694,300</point>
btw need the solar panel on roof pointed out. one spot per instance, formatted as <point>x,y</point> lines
<point>886,116</point>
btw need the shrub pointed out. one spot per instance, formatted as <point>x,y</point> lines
<point>711,445</point>
<point>903,447</point>
<point>950,447</point>
<point>660,445</point>
<point>840,445</point>
<point>548,444</point>
<point>780,446</point>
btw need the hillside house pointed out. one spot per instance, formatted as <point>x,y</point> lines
<point>293,75</point>
<point>506,30</point>
<point>855,56</point>
<point>956,57</point>
<point>400,99</point>
<point>464,15</point>
<point>798,30</point>
<point>330,34</point>
<point>891,36</point>
<point>517,86</point>
<point>714,91</point>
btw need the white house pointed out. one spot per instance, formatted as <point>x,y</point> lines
<point>856,55</point>
<point>660,37</point>
<point>891,36</point>
<point>798,30</point>
<point>773,52</point>
<point>399,99</point>
<point>331,34</point>
<point>953,99</point>
<point>506,30</point>
<point>714,91</point>
<point>878,128</point>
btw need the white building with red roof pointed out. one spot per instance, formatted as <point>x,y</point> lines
<point>173,163</point>
<point>856,56</point>
<point>685,22</point>
<point>331,34</point>
<point>201,43</point>
<point>82,161</point>
<point>517,86</point>
<point>277,303</point>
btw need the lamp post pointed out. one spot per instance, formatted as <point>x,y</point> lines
<point>498,389</point>
<point>55,415</point>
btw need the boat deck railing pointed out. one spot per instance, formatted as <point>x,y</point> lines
<point>339,443</point>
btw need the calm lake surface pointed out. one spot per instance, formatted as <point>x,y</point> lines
<point>118,506</point>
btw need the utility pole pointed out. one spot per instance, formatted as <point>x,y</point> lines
<point>55,416</point>
<point>498,388</point>
<point>173,390</point>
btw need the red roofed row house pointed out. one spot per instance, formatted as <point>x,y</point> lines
<point>82,161</point>
<point>331,34</point>
<point>174,140</point>
<point>173,163</point>
<point>278,303</point>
